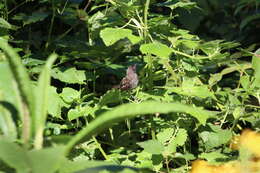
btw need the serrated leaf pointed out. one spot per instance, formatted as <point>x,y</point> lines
<point>215,137</point>
<point>157,49</point>
<point>165,135</point>
<point>69,75</point>
<point>69,94</point>
<point>152,146</point>
<point>178,140</point>
<point>78,112</point>
<point>112,35</point>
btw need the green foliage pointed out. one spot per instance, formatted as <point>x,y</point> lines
<point>198,85</point>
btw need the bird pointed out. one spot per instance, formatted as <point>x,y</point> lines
<point>130,81</point>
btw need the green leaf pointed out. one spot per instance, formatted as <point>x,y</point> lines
<point>256,66</point>
<point>165,135</point>
<point>42,100</point>
<point>6,25</point>
<point>131,110</point>
<point>157,49</point>
<point>69,94</point>
<point>152,146</point>
<point>10,102</point>
<point>111,96</point>
<point>78,112</point>
<point>56,103</point>
<point>215,137</point>
<point>213,157</point>
<point>7,125</point>
<point>198,91</point>
<point>79,165</point>
<point>24,86</point>
<point>215,78</point>
<point>175,4</point>
<point>112,35</point>
<point>35,17</point>
<point>179,140</point>
<point>69,75</point>
<point>46,160</point>
<point>14,156</point>
<point>248,19</point>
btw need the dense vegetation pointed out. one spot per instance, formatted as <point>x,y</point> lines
<point>61,63</point>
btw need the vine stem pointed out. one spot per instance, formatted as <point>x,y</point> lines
<point>100,148</point>
<point>51,26</point>
<point>146,8</point>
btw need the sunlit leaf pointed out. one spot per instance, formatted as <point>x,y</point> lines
<point>112,35</point>
<point>152,146</point>
<point>158,49</point>
<point>69,75</point>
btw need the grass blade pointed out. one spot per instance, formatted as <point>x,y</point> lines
<point>131,110</point>
<point>41,106</point>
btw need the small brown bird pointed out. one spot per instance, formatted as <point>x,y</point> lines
<point>130,81</point>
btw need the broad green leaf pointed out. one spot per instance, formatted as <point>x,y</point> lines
<point>69,94</point>
<point>69,75</point>
<point>131,110</point>
<point>213,156</point>
<point>46,160</point>
<point>79,112</point>
<point>158,49</point>
<point>211,47</point>
<point>112,35</point>
<point>42,100</point>
<point>111,96</point>
<point>152,146</point>
<point>198,91</point>
<point>165,135</point>
<point>256,66</point>
<point>54,108</point>
<point>14,156</point>
<point>215,137</point>
<point>179,140</point>
<point>73,166</point>
<point>144,160</point>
